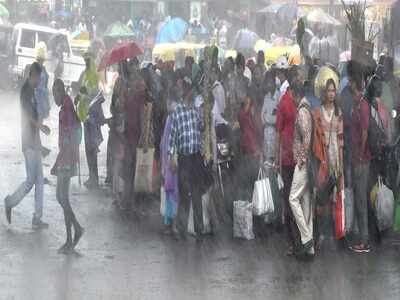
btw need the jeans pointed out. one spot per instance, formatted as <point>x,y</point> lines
<point>91,157</point>
<point>360,188</point>
<point>189,192</point>
<point>34,177</point>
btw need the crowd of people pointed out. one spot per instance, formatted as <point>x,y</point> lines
<point>319,140</point>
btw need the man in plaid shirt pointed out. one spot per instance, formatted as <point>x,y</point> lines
<point>185,142</point>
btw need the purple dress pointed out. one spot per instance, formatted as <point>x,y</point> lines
<point>170,178</point>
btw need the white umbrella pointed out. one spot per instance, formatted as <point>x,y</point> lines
<point>319,16</point>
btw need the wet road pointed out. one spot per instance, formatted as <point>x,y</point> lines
<point>124,257</point>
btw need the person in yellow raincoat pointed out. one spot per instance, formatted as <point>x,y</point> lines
<point>90,112</point>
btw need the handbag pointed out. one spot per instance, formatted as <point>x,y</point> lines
<point>262,195</point>
<point>144,170</point>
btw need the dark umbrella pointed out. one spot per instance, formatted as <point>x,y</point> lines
<point>120,53</point>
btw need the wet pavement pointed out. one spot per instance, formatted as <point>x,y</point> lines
<point>126,257</point>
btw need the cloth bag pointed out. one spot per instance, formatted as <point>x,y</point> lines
<point>384,206</point>
<point>144,170</point>
<point>262,200</point>
<point>206,215</point>
<point>243,220</point>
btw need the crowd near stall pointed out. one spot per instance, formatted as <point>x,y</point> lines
<point>287,129</point>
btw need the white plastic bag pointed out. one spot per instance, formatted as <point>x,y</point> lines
<point>243,220</point>
<point>384,206</point>
<point>262,195</point>
<point>206,215</point>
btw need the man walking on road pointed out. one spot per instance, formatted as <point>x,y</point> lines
<point>185,142</point>
<point>31,148</point>
<point>300,199</point>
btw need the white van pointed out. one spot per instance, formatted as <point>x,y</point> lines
<point>24,39</point>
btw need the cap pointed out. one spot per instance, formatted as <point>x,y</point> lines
<point>282,63</point>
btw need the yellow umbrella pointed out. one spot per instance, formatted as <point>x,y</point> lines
<point>166,52</point>
<point>292,52</point>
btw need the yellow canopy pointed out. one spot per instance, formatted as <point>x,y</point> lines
<point>167,52</point>
<point>84,35</point>
<point>231,53</point>
<point>293,53</point>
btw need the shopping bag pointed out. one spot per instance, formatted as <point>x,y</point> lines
<point>348,209</point>
<point>144,170</point>
<point>206,215</point>
<point>262,195</point>
<point>340,215</point>
<point>243,220</point>
<point>163,199</point>
<point>396,226</point>
<point>384,206</point>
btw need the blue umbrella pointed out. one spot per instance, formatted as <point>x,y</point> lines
<point>172,31</point>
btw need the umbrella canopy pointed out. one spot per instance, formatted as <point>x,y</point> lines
<point>119,53</point>
<point>283,10</point>
<point>319,16</point>
<point>4,13</point>
<point>63,13</point>
<point>117,30</point>
<point>172,31</point>
<point>245,39</point>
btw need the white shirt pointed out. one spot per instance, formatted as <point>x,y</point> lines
<point>219,104</point>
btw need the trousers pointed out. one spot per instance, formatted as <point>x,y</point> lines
<point>34,177</point>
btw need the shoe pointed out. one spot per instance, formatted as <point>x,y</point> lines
<point>360,248</point>
<point>8,210</point>
<point>308,246</point>
<point>108,181</point>
<point>38,224</point>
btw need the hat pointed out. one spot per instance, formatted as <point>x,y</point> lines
<point>282,63</point>
<point>87,55</point>
<point>41,51</point>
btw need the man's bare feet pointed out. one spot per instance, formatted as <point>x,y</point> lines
<point>78,234</point>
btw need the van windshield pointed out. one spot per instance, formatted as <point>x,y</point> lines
<point>54,42</point>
